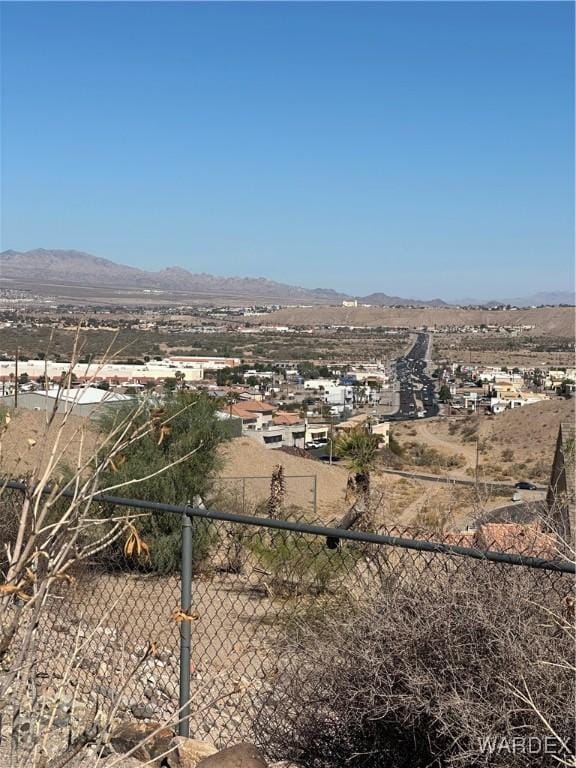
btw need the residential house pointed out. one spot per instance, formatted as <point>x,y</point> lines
<point>514,538</point>
<point>272,428</point>
<point>254,415</point>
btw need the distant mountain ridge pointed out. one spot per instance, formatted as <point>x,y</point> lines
<point>71,266</point>
<point>383,300</point>
<point>78,267</point>
<point>553,298</point>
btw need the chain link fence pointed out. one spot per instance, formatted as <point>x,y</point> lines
<point>251,492</point>
<point>115,631</point>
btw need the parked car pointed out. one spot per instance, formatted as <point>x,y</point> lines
<point>524,485</point>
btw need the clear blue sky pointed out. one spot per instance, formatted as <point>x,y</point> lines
<point>419,149</point>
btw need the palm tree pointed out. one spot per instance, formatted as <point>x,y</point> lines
<point>359,448</point>
<point>277,492</point>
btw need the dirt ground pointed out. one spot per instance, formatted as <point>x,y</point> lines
<point>244,456</point>
<point>26,441</point>
<point>522,358</point>
<point>520,441</point>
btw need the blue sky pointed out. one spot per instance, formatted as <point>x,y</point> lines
<point>420,149</point>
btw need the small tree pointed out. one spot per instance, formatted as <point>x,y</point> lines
<point>444,395</point>
<point>183,434</point>
<point>170,384</point>
<point>359,449</point>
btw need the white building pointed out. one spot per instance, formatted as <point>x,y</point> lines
<point>191,368</point>
<point>324,384</point>
<point>83,401</point>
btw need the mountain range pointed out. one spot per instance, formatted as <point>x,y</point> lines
<point>79,268</point>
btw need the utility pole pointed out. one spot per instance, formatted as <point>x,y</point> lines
<point>477,462</point>
<point>16,379</point>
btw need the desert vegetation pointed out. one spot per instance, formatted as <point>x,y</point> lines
<point>438,670</point>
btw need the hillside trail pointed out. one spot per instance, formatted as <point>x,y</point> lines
<point>431,436</point>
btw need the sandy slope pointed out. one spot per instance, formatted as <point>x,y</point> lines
<point>246,457</point>
<point>25,442</point>
<point>529,432</point>
<point>555,321</point>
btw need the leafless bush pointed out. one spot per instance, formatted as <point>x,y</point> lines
<point>52,528</point>
<point>445,671</point>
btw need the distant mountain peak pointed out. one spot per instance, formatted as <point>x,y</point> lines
<point>73,266</point>
<point>79,267</point>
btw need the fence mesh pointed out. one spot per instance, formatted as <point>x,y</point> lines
<point>251,586</point>
<point>247,494</point>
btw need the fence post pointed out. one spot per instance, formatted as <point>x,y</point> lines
<point>315,495</point>
<point>185,626</point>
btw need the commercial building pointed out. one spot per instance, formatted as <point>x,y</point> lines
<point>190,369</point>
<point>83,401</point>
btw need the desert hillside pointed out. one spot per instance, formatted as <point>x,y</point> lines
<point>26,444</point>
<point>554,321</point>
<point>516,445</point>
<point>532,429</point>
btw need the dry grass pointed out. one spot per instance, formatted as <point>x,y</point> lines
<point>520,441</point>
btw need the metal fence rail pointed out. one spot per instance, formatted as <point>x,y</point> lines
<point>214,623</point>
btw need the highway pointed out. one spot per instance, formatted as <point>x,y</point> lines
<point>416,388</point>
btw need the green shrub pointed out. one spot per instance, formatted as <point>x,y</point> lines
<point>186,424</point>
<point>299,565</point>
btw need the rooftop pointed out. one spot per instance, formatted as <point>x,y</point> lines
<point>84,395</point>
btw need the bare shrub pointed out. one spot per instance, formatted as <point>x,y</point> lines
<point>431,673</point>
<point>54,527</point>
<point>421,455</point>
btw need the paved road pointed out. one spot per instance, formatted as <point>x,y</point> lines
<point>417,390</point>
<point>456,480</point>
